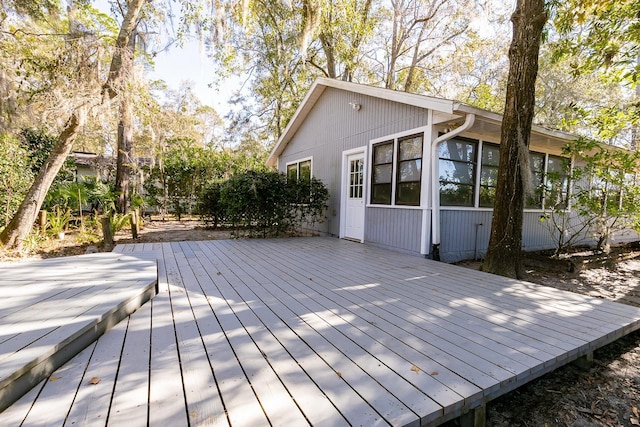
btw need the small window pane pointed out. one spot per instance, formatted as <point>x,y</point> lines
<point>381,194</point>
<point>410,148</point>
<point>383,153</point>
<point>489,176</point>
<point>382,174</point>
<point>410,170</point>
<point>292,172</point>
<point>456,172</point>
<point>490,154</point>
<point>305,170</point>
<point>487,196</point>
<point>464,151</point>
<point>456,195</point>
<point>408,193</point>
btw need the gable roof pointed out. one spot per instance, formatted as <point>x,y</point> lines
<point>442,105</point>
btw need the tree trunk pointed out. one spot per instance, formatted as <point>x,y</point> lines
<point>22,222</point>
<point>328,49</point>
<point>125,134</point>
<point>504,255</point>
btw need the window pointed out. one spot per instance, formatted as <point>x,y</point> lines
<point>356,181</point>
<point>409,171</point>
<point>536,164</point>
<point>382,173</point>
<point>489,174</point>
<point>457,166</point>
<point>299,170</point>
<point>396,179</point>
<point>557,185</point>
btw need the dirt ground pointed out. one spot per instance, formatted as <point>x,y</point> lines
<point>607,394</point>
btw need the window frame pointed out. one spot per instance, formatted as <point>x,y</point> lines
<point>566,192</point>
<point>374,185</point>
<point>425,133</point>
<point>477,185</point>
<point>481,168</point>
<point>475,180</point>
<point>542,177</point>
<point>297,165</point>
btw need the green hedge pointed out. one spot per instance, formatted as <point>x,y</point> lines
<point>264,203</point>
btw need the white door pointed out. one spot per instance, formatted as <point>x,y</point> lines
<point>354,218</point>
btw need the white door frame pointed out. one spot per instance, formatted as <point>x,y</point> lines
<point>344,187</point>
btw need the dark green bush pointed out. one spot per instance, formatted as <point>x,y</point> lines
<point>210,206</point>
<point>264,203</point>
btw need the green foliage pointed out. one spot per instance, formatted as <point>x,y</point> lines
<point>15,176</point>
<point>39,144</point>
<point>119,221</point>
<point>33,241</point>
<point>210,207</point>
<point>601,38</point>
<point>264,203</point>
<point>89,194</point>
<point>605,195</point>
<point>185,170</point>
<point>257,201</point>
<point>58,220</point>
<point>600,34</point>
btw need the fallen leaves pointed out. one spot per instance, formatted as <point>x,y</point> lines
<point>415,369</point>
<point>52,379</point>
<point>94,380</point>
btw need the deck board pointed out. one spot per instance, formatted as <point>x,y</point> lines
<point>51,309</point>
<point>316,331</point>
<point>91,405</point>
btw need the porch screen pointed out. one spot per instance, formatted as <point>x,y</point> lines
<point>489,174</point>
<point>457,166</point>
<point>536,163</point>
<point>557,183</point>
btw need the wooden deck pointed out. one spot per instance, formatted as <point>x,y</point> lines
<point>317,331</point>
<point>52,309</point>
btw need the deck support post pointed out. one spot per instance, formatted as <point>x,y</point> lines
<point>585,361</point>
<point>476,417</point>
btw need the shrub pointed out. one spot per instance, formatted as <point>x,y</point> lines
<point>210,207</point>
<point>264,203</point>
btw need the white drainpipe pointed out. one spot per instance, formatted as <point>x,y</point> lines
<point>435,182</point>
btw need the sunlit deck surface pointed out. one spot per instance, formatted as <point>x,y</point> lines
<point>317,331</point>
<point>52,309</point>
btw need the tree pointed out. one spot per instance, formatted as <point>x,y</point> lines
<point>14,234</point>
<point>419,30</point>
<point>124,158</point>
<point>602,37</point>
<point>505,242</point>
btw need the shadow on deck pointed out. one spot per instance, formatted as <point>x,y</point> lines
<point>318,331</point>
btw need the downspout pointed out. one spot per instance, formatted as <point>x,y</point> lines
<point>435,187</point>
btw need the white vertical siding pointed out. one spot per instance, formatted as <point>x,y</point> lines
<point>394,228</point>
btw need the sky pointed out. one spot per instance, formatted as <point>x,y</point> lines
<point>188,63</point>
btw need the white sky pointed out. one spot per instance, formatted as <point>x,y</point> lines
<point>179,64</point>
<point>188,63</point>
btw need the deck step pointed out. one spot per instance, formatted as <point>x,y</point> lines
<point>52,309</point>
